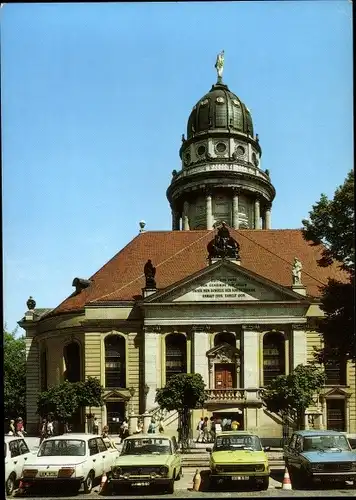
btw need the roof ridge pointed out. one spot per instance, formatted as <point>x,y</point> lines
<point>281,258</point>
<point>161,263</point>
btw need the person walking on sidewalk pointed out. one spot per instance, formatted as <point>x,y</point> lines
<point>200,430</point>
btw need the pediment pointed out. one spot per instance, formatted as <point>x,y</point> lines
<point>224,353</point>
<point>225,281</point>
<point>336,392</point>
<point>122,395</point>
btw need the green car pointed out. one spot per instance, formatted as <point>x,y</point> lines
<point>147,460</point>
<point>239,456</point>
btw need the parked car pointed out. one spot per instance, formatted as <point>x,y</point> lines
<point>17,454</point>
<point>239,456</point>
<point>313,456</point>
<point>70,460</point>
<point>147,460</point>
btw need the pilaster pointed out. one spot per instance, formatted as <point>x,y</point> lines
<point>201,346</point>
<point>250,343</point>
<point>257,214</point>
<point>151,360</point>
<point>268,217</point>
<point>235,210</point>
<point>209,211</point>
<point>299,345</point>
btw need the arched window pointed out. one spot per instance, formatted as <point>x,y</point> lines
<point>176,355</point>
<point>72,362</point>
<point>43,367</point>
<point>273,357</point>
<point>115,362</point>
<point>225,338</point>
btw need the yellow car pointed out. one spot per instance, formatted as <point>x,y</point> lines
<point>147,460</point>
<point>239,456</point>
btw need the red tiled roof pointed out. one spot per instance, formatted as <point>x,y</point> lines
<point>178,254</point>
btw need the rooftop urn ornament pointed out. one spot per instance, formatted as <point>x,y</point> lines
<point>219,65</point>
<point>297,272</point>
<point>150,272</point>
<point>142,225</point>
<point>31,304</point>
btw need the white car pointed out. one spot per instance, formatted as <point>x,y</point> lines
<point>70,460</point>
<point>17,455</point>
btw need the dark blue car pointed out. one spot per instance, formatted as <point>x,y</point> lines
<point>315,456</point>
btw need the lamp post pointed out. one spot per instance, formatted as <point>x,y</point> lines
<point>132,391</point>
<point>146,390</point>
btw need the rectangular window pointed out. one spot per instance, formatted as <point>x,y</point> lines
<point>335,411</point>
<point>335,371</point>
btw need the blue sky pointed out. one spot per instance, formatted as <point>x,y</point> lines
<point>95,98</point>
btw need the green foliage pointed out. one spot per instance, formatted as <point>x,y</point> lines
<point>332,223</point>
<point>14,375</point>
<point>64,400</point>
<point>183,392</point>
<point>290,395</point>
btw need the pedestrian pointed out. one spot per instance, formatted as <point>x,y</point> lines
<point>20,429</point>
<point>12,429</point>
<point>152,426</point>
<point>124,429</point>
<point>235,425</point>
<point>43,430</point>
<point>205,430</point>
<point>218,426</point>
<point>224,424</point>
<point>105,432</point>
<point>200,430</point>
<point>160,426</point>
<point>50,427</point>
<point>139,427</point>
<point>212,429</point>
<point>228,424</point>
<point>95,425</point>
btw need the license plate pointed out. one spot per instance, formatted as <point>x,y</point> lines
<point>240,478</point>
<point>146,483</point>
<point>48,474</point>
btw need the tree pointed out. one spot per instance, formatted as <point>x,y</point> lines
<point>331,223</point>
<point>183,393</point>
<point>14,375</point>
<point>64,400</point>
<point>290,395</point>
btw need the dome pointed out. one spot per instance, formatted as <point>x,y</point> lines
<point>219,109</point>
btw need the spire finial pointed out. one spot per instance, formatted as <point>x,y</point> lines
<point>219,65</point>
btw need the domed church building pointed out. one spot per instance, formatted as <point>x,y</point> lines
<point>222,294</point>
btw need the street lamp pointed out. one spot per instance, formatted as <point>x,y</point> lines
<point>132,391</point>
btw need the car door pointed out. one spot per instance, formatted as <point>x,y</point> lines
<point>290,452</point>
<point>95,460</point>
<point>176,456</point>
<point>24,451</point>
<point>104,454</point>
<point>17,461</point>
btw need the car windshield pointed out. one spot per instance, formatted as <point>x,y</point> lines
<point>143,446</point>
<point>62,448</point>
<point>225,443</point>
<point>326,442</point>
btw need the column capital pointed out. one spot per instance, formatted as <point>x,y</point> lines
<point>236,190</point>
<point>208,191</point>
<point>151,329</point>
<point>268,206</point>
<point>299,326</point>
<point>200,328</point>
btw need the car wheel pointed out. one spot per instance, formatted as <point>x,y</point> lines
<point>10,485</point>
<point>170,487</point>
<point>88,483</point>
<point>265,483</point>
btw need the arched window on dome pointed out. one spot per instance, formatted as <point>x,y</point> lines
<point>273,356</point>
<point>72,362</point>
<point>225,338</point>
<point>176,354</point>
<point>115,361</point>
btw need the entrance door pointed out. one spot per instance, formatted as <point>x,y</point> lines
<point>224,376</point>
<point>115,414</point>
<point>335,412</point>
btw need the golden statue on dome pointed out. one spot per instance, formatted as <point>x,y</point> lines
<point>219,65</point>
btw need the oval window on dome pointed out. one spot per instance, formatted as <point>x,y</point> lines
<point>201,150</point>
<point>240,150</point>
<point>220,100</point>
<point>220,147</point>
<point>236,102</point>
<point>204,102</point>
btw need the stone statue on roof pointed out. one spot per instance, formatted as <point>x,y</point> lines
<point>150,272</point>
<point>297,272</point>
<point>219,65</point>
<point>31,304</point>
<point>223,245</point>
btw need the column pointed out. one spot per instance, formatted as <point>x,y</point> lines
<point>209,211</point>
<point>268,217</point>
<point>186,216</point>
<point>257,214</point>
<point>32,383</point>
<point>299,345</point>
<point>152,366</point>
<point>235,210</point>
<point>201,346</point>
<point>175,220</point>
<point>250,351</point>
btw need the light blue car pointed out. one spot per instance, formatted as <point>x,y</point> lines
<point>315,456</point>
